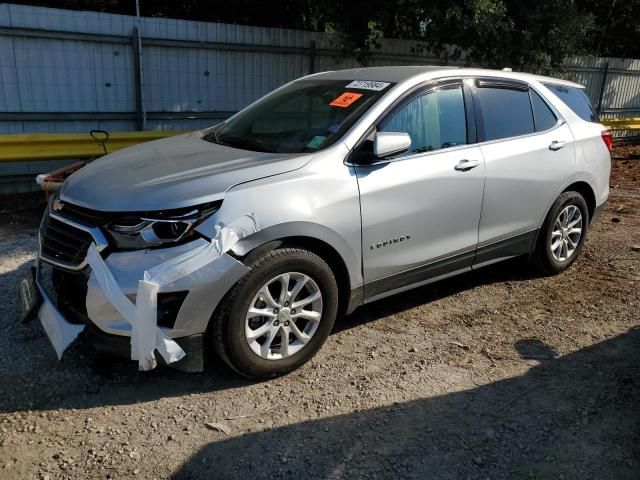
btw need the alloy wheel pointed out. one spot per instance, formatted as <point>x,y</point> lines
<point>566,234</point>
<point>283,316</point>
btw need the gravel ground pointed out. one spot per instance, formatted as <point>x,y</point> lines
<point>494,374</point>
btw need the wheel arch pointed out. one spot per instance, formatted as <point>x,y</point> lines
<point>584,189</point>
<point>581,183</point>
<point>254,246</point>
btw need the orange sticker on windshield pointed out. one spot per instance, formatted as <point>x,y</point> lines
<point>346,99</point>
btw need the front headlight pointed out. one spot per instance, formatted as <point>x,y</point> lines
<point>153,229</point>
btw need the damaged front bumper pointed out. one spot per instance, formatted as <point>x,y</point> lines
<point>142,304</point>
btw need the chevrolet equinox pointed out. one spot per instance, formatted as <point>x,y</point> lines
<point>249,238</point>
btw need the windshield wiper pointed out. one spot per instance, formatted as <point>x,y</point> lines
<point>212,136</point>
<point>246,143</point>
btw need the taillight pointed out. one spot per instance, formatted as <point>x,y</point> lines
<point>607,139</point>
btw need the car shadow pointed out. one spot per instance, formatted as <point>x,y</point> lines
<point>513,270</point>
<point>575,416</point>
<point>33,378</point>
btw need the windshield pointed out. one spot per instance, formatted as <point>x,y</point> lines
<point>306,116</point>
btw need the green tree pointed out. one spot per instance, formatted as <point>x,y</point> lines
<point>615,31</point>
<point>492,33</point>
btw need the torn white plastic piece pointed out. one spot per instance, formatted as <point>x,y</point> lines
<point>52,181</point>
<point>155,338</point>
<point>146,336</point>
<point>60,332</point>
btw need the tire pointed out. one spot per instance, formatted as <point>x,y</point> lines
<point>231,327</point>
<point>553,261</point>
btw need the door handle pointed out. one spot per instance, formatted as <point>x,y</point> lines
<point>466,165</point>
<point>556,145</point>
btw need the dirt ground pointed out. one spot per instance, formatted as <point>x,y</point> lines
<point>494,374</point>
<point>625,168</point>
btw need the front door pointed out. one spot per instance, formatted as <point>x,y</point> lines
<point>421,209</point>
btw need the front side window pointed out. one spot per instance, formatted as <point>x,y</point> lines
<point>576,100</point>
<point>505,112</point>
<point>434,121</point>
<point>306,116</point>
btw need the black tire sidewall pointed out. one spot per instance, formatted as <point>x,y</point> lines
<point>549,263</point>
<point>271,265</point>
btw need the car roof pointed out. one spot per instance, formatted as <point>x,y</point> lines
<point>403,73</point>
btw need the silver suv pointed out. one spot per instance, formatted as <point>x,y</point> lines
<point>249,238</point>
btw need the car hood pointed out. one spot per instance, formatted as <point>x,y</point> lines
<point>173,172</point>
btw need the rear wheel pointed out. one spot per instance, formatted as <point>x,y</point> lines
<point>278,315</point>
<point>563,233</point>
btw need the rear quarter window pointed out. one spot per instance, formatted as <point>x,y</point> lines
<point>576,99</point>
<point>543,116</point>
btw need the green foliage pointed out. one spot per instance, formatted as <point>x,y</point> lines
<point>505,33</point>
<point>533,34</point>
<point>615,31</point>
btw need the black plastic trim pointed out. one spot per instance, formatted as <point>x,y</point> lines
<point>168,306</point>
<point>356,299</point>
<point>510,247</point>
<point>597,212</point>
<point>120,347</point>
<point>502,83</point>
<point>419,274</point>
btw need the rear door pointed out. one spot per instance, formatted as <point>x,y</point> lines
<point>529,151</point>
<point>420,209</point>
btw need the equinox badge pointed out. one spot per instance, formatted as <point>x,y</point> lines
<point>387,243</point>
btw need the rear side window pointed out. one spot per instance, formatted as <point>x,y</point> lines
<point>576,100</point>
<point>505,112</point>
<point>543,116</point>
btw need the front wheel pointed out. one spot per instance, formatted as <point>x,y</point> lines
<point>278,315</point>
<point>563,233</point>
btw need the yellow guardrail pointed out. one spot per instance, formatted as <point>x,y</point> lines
<point>622,123</point>
<point>55,146</point>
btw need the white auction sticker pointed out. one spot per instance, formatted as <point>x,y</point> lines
<point>368,85</point>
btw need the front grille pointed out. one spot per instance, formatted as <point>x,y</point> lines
<point>84,216</point>
<point>62,243</point>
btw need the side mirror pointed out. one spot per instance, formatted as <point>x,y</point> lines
<point>390,143</point>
